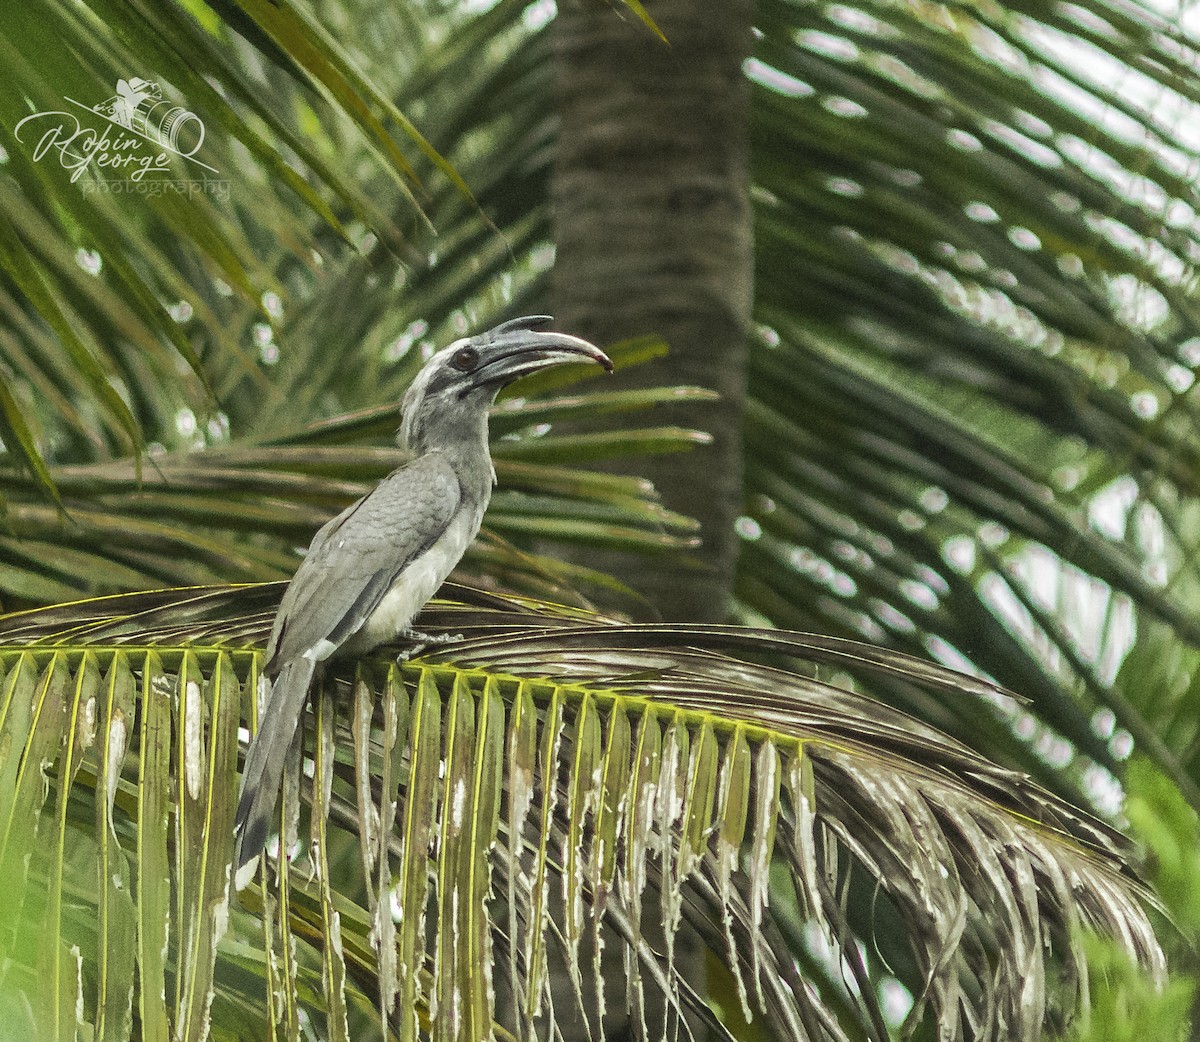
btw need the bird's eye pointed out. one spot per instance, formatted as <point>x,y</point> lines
<point>465,359</point>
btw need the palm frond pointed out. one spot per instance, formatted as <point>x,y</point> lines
<point>195,516</point>
<point>111,317</point>
<point>551,783</point>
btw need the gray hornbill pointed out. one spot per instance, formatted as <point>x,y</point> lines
<point>372,568</point>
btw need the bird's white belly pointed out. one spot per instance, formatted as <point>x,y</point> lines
<point>417,583</point>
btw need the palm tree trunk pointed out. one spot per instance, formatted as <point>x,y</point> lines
<point>654,236</point>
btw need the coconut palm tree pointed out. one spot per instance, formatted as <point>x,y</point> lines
<point>967,435</point>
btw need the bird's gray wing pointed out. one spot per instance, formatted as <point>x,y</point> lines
<point>354,560</point>
<point>287,604</point>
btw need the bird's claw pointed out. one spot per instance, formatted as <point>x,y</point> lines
<point>420,641</point>
<point>437,638</point>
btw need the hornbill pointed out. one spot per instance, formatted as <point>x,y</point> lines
<point>372,568</point>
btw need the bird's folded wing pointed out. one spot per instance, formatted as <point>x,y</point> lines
<point>354,560</point>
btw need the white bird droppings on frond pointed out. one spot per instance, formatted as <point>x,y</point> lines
<point>193,738</point>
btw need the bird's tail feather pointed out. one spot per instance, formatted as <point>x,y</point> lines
<point>264,762</point>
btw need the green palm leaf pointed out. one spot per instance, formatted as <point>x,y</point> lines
<point>186,517</point>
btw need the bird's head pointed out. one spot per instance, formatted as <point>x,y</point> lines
<point>455,388</point>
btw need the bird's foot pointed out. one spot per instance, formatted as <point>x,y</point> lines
<point>420,641</point>
<point>434,638</point>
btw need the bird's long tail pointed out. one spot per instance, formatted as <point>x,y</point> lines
<point>264,761</point>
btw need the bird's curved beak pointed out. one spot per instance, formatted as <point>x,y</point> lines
<point>520,352</point>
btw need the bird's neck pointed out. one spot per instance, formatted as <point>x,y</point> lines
<point>467,452</point>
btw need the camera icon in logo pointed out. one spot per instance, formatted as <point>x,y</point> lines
<point>138,105</point>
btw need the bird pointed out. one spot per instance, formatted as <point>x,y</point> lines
<point>370,569</point>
